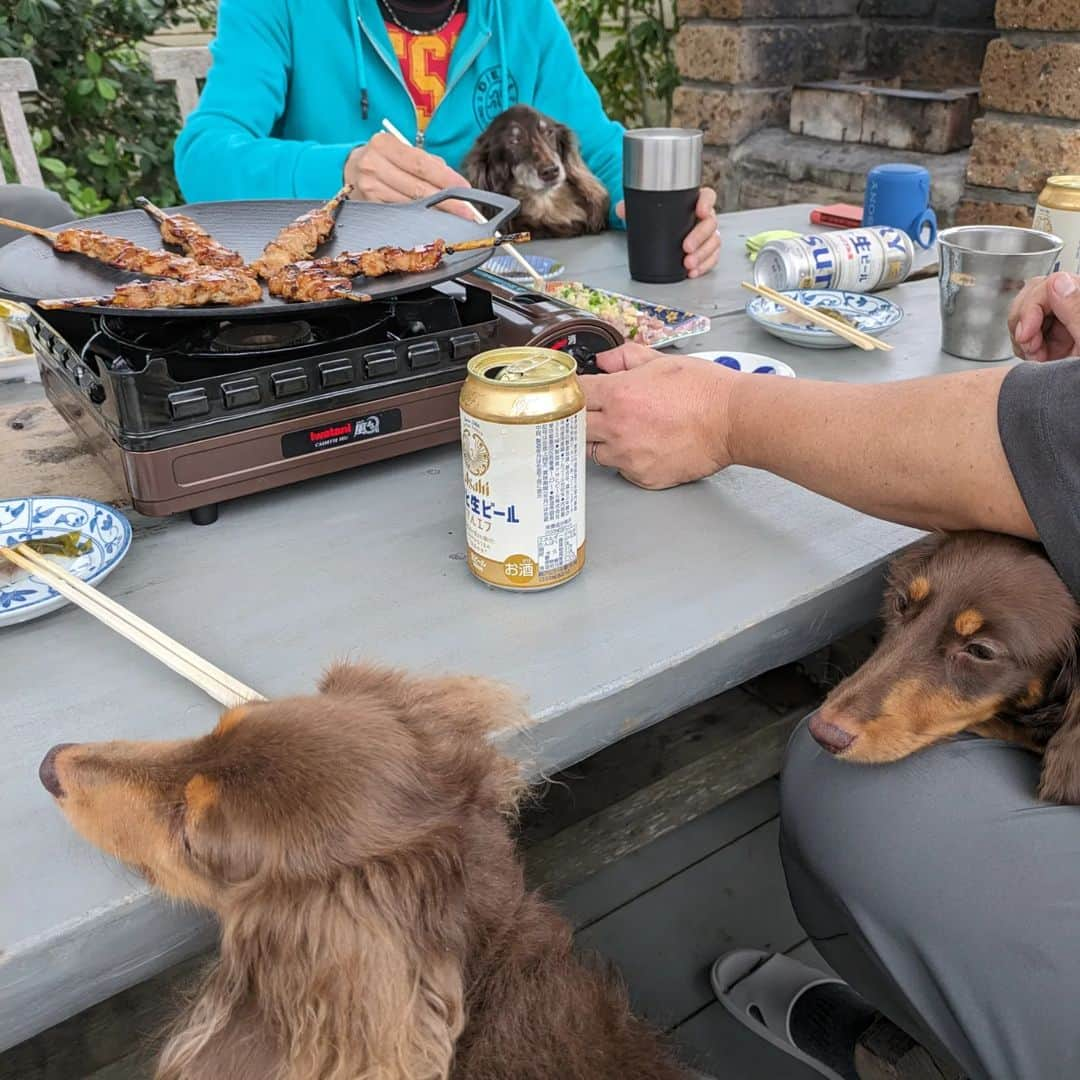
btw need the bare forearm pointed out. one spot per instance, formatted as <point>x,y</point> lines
<point>925,453</point>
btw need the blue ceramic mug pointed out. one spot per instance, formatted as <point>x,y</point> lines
<point>899,196</point>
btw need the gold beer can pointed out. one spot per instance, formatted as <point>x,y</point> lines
<point>523,451</point>
<point>1058,212</point>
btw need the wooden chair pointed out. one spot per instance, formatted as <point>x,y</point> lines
<point>184,65</point>
<point>17,76</point>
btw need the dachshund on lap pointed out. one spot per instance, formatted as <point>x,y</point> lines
<point>356,847</point>
<point>536,160</point>
<point>981,636</point>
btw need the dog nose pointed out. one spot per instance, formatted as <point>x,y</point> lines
<point>548,173</point>
<point>833,737</point>
<point>47,770</point>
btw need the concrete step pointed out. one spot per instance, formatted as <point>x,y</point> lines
<point>776,166</point>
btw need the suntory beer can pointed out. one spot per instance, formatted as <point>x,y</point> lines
<point>523,451</point>
<point>854,260</point>
<point>1058,212</point>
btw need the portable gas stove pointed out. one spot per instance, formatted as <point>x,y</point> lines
<point>190,412</point>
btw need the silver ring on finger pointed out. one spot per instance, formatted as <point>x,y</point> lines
<point>593,452</point>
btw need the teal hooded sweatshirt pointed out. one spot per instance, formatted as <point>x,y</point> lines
<point>297,84</point>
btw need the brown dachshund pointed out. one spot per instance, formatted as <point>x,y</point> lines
<point>536,160</point>
<point>981,636</point>
<point>375,924</point>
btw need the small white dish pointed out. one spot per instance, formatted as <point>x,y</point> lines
<point>24,596</point>
<point>748,362</point>
<point>869,313</point>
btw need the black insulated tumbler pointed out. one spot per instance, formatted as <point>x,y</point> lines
<point>661,181</point>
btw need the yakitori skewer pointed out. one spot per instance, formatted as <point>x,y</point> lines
<point>303,282</point>
<point>231,287</point>
<point>115,251</point>
<point>188,235</point>
<point>300,239</point>
<point>376,262</point>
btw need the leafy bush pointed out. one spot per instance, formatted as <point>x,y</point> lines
<point>102,128</point>
<point>626,49</point>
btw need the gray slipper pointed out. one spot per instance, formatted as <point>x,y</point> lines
<point>760,990</point>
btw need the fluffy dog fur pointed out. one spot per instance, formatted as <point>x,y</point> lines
<point>980,635</point>
<point>536,160</point>
<point>375,924</point>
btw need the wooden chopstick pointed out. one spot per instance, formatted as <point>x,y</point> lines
<point>480,219</point>
<point>849,333</point>
<point>219,685</point>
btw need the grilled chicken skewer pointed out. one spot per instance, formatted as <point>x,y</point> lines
<point>115,251</point>
<point>188,235</point>
<point>394,260</point>
<point>300,239</point>
<point>304,282</point>
<point>231,287</point>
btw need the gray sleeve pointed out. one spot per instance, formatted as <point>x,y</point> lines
<point>1037,423</point>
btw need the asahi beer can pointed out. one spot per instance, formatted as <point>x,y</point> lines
<point>854,260</point>
<point>523,450</point>
<point>1058,213</point>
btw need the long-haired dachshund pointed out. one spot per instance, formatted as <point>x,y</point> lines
<point>536,160</point>
<point>375,925</point>
<point>981,636</point>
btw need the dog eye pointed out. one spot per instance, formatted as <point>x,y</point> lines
<point>901,602</point>
<point>978,650</point>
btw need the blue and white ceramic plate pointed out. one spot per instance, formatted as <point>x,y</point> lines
<point>751,362</point>
<point>507,266</point>
<point>24,596</point>
<point>871,314</point>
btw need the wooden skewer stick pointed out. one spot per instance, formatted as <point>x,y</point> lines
<point>480,219</point>
<point>219,685</point>
<point>489,241</point>
<point>159,215</point>
<point>48,234</point>
<point>848,333</point>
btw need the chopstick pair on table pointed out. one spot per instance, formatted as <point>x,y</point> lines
<point>479,218</point>
<point>214,682</point>
<point>841,329</point>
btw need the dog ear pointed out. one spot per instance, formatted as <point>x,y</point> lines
<point>380,949</point>
<point>1060,780</point>
<point>594,195</point>
<point>479,166</point>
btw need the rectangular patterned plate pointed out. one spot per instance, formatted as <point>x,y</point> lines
<point>656,325</point>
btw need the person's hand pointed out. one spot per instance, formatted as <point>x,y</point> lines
<point>702,244</point>
<point>1045,318</point>
<point>386,170</point>
<point>660,420</point>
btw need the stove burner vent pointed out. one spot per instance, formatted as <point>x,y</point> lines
<point>261,337</point>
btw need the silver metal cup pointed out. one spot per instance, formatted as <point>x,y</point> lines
<point>661,179</point>
<point>983,267</point>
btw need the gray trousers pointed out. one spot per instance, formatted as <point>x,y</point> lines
<point>947,895</point>
<point>34,206</point>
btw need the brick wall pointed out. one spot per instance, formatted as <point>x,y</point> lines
<point>1031,94</point>
<point>740,58</point>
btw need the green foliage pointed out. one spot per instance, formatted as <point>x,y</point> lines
<point>626,49</point>
<point>102,128</point>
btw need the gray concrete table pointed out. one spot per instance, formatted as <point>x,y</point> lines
<point>685,594</point>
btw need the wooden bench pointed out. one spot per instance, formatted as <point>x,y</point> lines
<point>184,65</point>
<point>17,76</point>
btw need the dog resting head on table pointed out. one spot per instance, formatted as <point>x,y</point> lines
<point>375,924</point>
<point>980,635</point>
<point>536,160</point>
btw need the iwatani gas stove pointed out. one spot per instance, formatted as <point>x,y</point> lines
<point>191,412</point>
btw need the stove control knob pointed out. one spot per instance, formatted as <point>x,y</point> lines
<point>79,373</point>
<point>96,393</point>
